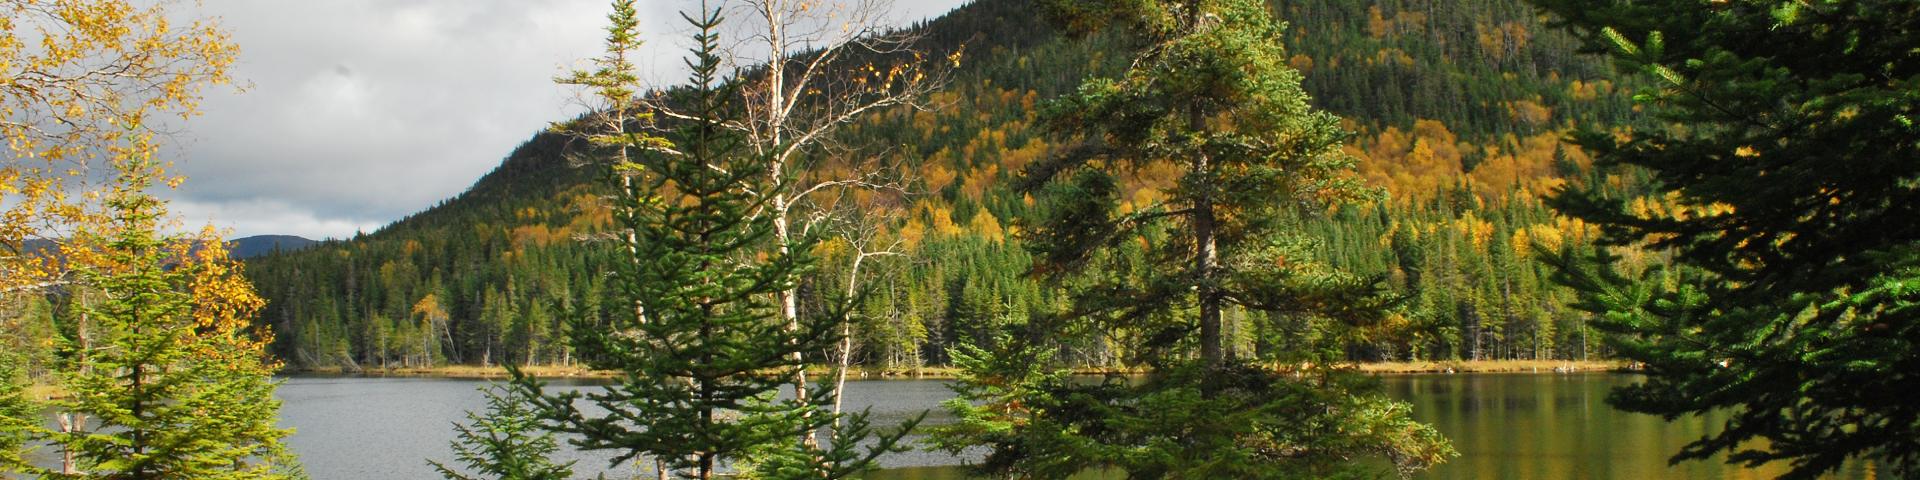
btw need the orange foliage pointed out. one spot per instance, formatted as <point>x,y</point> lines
<point>978,180</point>
<point>1015,160</point>
<point>1587,91</point>
<point>1504,40</point>
<point>535,235</point>
<point>1526,168</point>
<point>1301,62</point>
<point>1529,113</point>
<point>1379,26</point>
<point>1413,166</point>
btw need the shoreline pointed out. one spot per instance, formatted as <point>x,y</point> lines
<point>938,373</point>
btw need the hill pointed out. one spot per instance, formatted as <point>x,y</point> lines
<point>254,246</point>
<point>1457,107</point>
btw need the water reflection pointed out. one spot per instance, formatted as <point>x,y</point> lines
<point>1524,426</point>
<point>1505,427</point>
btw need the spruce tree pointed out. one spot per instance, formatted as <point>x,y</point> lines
<point>1208,90</point>
<point>1780,145</point>
<point>702,353</point>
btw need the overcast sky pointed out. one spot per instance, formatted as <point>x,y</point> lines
<point>359,112</point>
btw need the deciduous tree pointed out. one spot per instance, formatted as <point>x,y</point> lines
<point>75,76</point>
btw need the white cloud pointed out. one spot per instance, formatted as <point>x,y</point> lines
<point>263,216</point>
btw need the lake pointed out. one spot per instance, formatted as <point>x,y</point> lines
<point>1506,426</point>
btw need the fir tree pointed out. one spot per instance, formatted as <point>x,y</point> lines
<point>1207,90</point>
<point>1784,159</point>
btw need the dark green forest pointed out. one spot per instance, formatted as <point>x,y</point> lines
<point>1458,112</point>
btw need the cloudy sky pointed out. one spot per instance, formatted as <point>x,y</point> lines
<point>358,112</point>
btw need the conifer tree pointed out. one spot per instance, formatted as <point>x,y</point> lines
<point>17,413</point>
<point>703,353</point>
<point>506,443</point>
<point>1209,90</point>
<point>1783,135</point>
<point>163,374</point>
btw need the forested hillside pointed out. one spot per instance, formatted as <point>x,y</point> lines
<point>1458,108</point>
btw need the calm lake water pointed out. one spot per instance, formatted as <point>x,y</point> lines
<point>1538,426</point>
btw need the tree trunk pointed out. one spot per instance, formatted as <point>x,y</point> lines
<point>76,422</point>
<point>1206,256</point>
<point>773,11</point>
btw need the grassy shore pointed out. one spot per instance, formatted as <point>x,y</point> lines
<point>1494,366</point>
<point>548,371</point>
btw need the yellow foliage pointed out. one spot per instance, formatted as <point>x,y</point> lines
<point>225,305</point>
<point>1588,91</point>
<point>1017,159</point>
<point>912,232</point>
<point>985,225</point>
<point>1392,56</point>
<point>1526,169</point>
<point>1412,165</point>
<point>940,220</point>
<point>1503,40</point>
<point>1529,113</point>
<point>61,113</point>
<point>1379,26</point>
<point>1477,230</point>
<point>936,175</point>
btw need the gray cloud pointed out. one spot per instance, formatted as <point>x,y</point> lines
<point>358,112</point>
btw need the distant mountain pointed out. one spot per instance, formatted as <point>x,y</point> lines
<point>36,245</point>
<point>254,246</point>
<point>238,248</point>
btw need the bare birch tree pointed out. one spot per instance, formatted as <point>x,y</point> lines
<point>823,65</point>
<point>866,243</point>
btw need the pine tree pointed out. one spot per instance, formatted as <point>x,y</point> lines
<point>506,443</point>
<point>1209,89</point>
<point>704,352</point>
<point>1784,162</point>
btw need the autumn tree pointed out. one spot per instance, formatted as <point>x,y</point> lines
<point>75,76</point>
<point>1783,143</point>
<point>1208,89</point>
<point>434,327</point>
<point>819,66</point>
